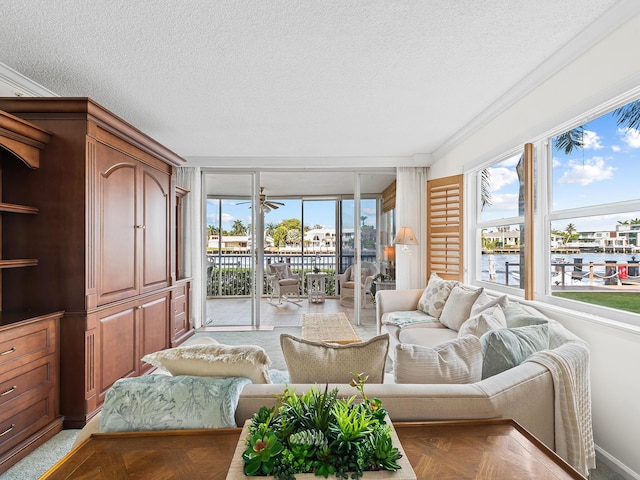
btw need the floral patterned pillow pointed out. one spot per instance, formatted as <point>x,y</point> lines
<point>435,295</point>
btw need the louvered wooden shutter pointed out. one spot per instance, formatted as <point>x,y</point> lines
<point>389,198</point>
<point>444,227</point>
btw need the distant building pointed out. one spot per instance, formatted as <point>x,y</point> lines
<point>320,240</point>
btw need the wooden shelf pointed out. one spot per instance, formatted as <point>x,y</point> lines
<point>10,207</point>
<point>23,139</point>
<point>25,262</point>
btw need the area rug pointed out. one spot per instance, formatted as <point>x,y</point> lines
<point>328,327</point>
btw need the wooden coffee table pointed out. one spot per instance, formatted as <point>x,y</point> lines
<point>189,454</point>
<point>479,449</point>
<point>464,449</point>
<point>328,327</point>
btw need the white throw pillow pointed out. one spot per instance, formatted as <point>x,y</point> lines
<point>457,308</point>
<point>490,319</point>
<point>484,302</point>
<point>215,360</point>
<point>435,295</point>
<point>320,362</point>
<point>455,361</point>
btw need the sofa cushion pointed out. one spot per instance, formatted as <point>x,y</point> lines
<point>481,323</point>
<point>215,360</point>
<point>455,361</point>
<point>320,362</point>
<point>431,336</point>
<point>506,348</point>
<point>435,295</point>
<point>457,308</point>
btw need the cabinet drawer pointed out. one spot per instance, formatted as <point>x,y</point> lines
<point>26,343</point>
<point>28,419</point>
<point>27,377</point>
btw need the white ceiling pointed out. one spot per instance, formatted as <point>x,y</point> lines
<point>262,81</point>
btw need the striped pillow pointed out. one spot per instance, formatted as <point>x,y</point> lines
<point>456,361</point>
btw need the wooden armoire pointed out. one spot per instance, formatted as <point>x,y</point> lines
<point>106,243</point>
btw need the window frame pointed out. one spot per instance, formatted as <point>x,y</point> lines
<point>542,219</point>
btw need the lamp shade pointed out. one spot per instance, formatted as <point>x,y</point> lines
<point>389,253</point>
<point>406,237</point>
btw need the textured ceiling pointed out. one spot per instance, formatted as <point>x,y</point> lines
<point>286,78</point>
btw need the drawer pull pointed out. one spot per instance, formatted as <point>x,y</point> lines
<point>11,350</point>
<point>12,389</point>
<point>7,430</point>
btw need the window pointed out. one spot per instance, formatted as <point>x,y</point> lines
<point>595,211</point>
<point>586,223</point>
<point>500,223</point>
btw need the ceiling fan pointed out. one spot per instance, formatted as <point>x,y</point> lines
<point>265,204</point>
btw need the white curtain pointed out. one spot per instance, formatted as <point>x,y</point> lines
<point>411,198</point>
<point>192,238</point>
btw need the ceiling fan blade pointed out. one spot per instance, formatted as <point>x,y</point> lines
<point>273,205</point>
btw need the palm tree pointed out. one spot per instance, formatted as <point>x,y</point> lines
<point>570,231</point>
<point>485,190</point>
<point>238,228</point>
<point>629,115</point>
<point>270,228</point>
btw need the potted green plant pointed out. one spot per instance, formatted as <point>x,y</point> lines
<point>318,434</point>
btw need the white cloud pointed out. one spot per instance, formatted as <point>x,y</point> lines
<point>505,201</point>
<point>592,170</point>
<point>616,148</point>
<point>500,177</point>
<point>591,140</point>
<point>556,162</point>
<point>630,136</point>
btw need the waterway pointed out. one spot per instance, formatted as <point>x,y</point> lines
<point>500,262</point>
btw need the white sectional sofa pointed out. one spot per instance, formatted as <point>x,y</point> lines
<point>527,393</point>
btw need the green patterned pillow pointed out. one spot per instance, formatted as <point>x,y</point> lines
<point>161,402</point>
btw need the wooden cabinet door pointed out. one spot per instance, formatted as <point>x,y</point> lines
<point>153,326</point>
<point>117,226</point>
<point>155,254</point>
<point>180,326</point>
<point>116,347</point>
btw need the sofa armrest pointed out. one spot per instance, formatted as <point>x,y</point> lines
<point>396,301</point>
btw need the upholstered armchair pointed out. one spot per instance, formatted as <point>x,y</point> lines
<point>283,282</point>
<point>348,283</point>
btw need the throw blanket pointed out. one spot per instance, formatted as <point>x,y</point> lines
<point>403,319</point>
<point>161,402</point>
<point>569,367</point>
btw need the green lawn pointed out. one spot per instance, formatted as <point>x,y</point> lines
<point>628,301</point>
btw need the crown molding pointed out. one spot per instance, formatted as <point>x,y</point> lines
<point>313,163</point>
<point>585,40</point>
<point>23,85</point>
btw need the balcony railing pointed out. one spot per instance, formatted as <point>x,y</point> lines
<point>230,274</point>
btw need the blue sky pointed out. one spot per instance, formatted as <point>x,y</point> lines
<point>316,212</point>
<point>606,170</point>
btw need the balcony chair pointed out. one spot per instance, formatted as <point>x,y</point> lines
<point>347,283</point>
<point>283,282</point>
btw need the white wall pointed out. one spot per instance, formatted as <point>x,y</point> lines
<point>607,70</point>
